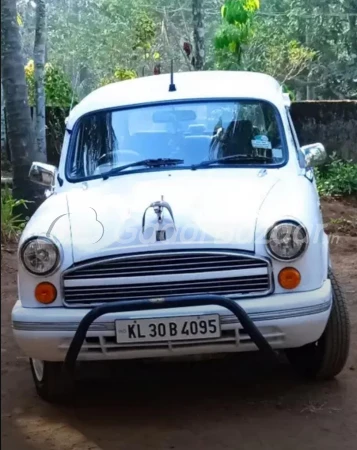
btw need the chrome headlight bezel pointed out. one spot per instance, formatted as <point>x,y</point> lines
<point>294,223</point>
<point>58,257</point>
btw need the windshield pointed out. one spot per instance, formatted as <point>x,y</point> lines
<point>194,132</point>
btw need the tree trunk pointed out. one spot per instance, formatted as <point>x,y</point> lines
<point>352,8</point>
<point>39,60</point>
<point>19,123</point>
<point>3,125</point>
<point>307,41</point>
<point>198,34</point>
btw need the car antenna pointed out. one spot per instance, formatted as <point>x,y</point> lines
<point>172,87</point>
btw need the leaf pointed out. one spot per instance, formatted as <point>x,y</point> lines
<point>232,47</point>
<point>19,20</point>
<point>156,55</point>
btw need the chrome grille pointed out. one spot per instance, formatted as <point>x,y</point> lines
<point>160,264</point>
<point>164,274</point>
<point>223,286</point>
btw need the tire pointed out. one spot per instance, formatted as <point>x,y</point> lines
<point>324,359</point>
<point>51,383</point>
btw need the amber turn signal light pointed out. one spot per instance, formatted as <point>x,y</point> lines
<point>45,293</point>
<point>289,278</point>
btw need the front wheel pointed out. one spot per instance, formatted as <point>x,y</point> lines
<point>325,358</point>
<point>52,384</point>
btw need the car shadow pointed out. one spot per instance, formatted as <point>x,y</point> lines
<point>246,378</point>
<point>209,404</point>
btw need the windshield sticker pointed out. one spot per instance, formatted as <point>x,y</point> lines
<point>277,153</point>
<point>261,141</point>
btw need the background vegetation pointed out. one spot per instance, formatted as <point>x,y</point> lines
<point>310,45</point>
<point>337,177</point>
<point>11,223</point>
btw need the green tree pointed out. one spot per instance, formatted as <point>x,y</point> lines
<point>120,74</point>
<point>277,56</point>
<point>144,41</point>
<point>89,39</point>
<point>235,32</point>
<point>58,89</point>
<point>245,41</point>
<point>329,29</point>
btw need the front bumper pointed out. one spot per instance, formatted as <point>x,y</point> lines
<point>284,320</point>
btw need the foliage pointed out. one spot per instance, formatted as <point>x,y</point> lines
<point>236,29</point>
<point>143,48</point>
<point>55,126</point>
<point>246,42</point>
<point>327,29</point>
<point>19,20</point>
<point>278,57</point>
<point>30,80</point>
<point>120,74</point>
<point>90,38</point>
<point>87,39</point>
<point>58,89</point>
<point>236,12</point>
<point>289,91</point>
<point>11,223</point>
<point>310,46</point>
<point>144,33</point>
<point>296,57</point>
<point>337,177</point>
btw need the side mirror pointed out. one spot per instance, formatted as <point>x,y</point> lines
<point>43,174</point>
<point>315,154</point>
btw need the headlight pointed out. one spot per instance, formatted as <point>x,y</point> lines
<point>287,240</point>
<point>40,255</point>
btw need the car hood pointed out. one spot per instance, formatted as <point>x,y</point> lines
<point>210,208</point>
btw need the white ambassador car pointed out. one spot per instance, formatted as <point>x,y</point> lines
<point>183,219</point>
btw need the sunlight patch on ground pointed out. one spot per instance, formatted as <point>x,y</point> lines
<point>46,434</point>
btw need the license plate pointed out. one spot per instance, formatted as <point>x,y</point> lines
<point>168,329</point>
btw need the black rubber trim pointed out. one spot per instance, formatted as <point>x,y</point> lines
<point>160,303</point>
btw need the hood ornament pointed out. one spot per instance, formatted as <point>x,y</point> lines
<point>159,208</point>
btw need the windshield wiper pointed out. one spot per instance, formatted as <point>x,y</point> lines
<point>233,158</point>
<point>158,162</point>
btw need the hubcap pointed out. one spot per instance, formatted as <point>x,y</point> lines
<point>38,367</point>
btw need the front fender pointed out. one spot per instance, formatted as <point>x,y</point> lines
<point>297,201</point>
<point>52,220</point>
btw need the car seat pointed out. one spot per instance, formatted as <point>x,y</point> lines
<point>237,139</point>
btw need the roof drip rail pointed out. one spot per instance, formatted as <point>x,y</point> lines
<point>287,100</point>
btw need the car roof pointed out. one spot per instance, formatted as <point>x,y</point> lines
<point>189,86</point>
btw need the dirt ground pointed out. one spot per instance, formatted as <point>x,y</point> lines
<point>243,403</point>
